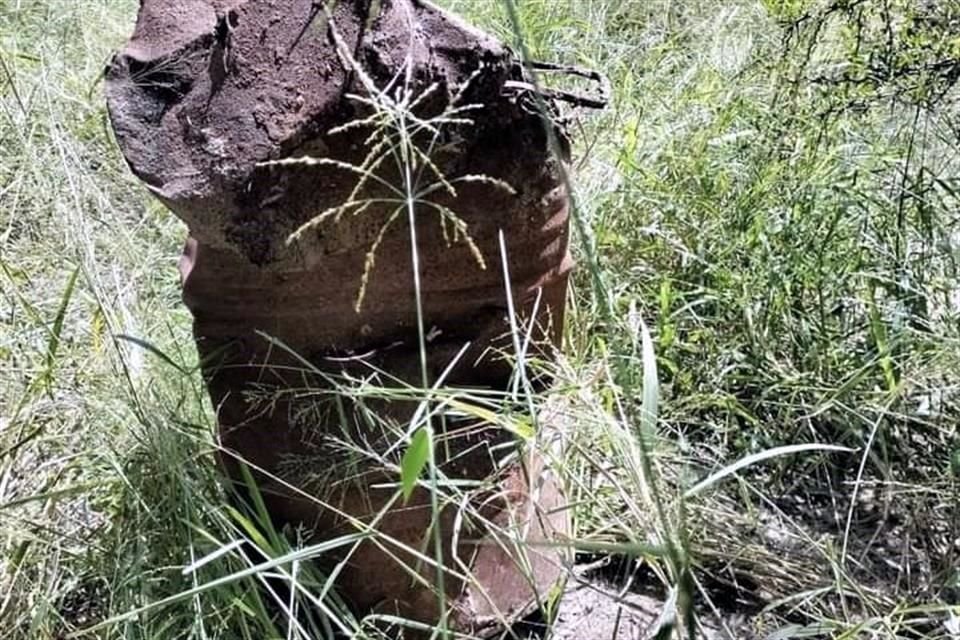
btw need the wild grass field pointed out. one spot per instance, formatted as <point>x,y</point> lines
<point>773,191</point>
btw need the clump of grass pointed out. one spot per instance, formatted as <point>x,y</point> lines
<point>775,220</point>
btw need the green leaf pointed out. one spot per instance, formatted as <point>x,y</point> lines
<point>53,344</point>
<point>666,624</point>
<point>649,407</point>
<point>146,346</point>
<point>757,458</point>
<point>250,529</point>
<point>260,513</point>
<point>520,426</point>
<point>881,339</point>
<point>815,630</point>
<point>66,492</point>
<point>414,461</point>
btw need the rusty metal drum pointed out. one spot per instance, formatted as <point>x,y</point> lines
<point>213,102</point>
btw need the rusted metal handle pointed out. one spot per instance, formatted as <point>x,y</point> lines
<point>598,101</point>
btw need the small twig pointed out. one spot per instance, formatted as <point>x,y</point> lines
<point>13,85</point>
<point>315,7</point>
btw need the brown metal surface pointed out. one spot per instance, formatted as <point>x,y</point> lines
<point>202,96</point>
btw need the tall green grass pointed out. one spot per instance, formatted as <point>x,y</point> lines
<point>772,192</point>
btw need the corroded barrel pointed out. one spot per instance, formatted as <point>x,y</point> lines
<point>210,101</point>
